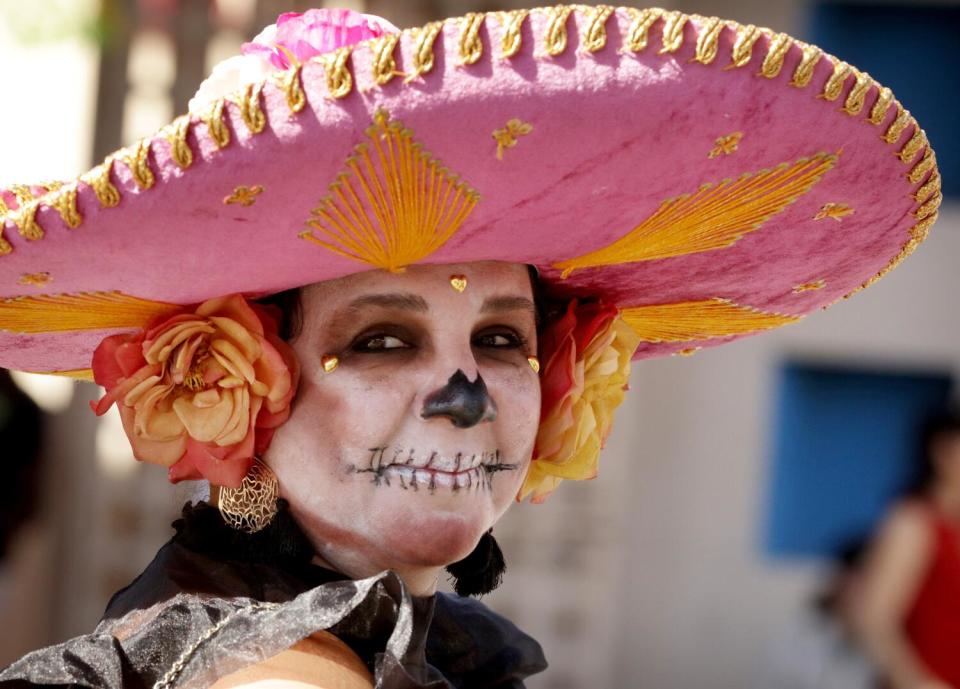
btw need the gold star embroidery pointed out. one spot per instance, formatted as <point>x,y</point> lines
<point>36,279</point>
<point>809,286</point>
<point>507,137</point>
<point>834,210</point>
<point>245,196</point>
<point>725,145</point>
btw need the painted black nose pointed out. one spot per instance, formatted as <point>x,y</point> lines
<point>466,404</point>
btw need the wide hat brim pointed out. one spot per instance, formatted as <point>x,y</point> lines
<point>711,180</point>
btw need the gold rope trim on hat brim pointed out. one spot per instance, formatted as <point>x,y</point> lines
<point>859,94</point>
<point>714,217</point>
<point>47,313</point>
<point>706,319</point>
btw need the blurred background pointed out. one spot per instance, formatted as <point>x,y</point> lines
<point>733,481</point>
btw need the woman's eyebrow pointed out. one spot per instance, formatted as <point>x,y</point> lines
<point>508,303</point>
<point>394,300</point>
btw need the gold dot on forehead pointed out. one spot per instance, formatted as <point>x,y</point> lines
<point>329,362</point>
<point>458,282</point>
<point>534,363</point>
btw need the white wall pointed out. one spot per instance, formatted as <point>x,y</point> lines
<point>701,605</point>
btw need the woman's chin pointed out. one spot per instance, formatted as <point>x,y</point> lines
<point>433,537</point>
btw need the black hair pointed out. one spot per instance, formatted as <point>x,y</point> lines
<point>942,423</point>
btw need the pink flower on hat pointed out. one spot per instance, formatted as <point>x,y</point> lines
<point>295,37</point>
<point>201,392</point>
<point>314,32</point>
<point>586,364</point>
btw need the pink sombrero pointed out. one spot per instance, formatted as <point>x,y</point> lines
<point>711,180</point>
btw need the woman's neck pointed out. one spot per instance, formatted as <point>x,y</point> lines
<point>420,581</point>
<point>947,498</point>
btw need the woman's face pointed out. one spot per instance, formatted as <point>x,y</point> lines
<point>418,440</point>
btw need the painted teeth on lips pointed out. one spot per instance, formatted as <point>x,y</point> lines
<point>411,477</point>
<point>450,464</point>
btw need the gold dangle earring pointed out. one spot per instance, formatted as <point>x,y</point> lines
<point>253,505</point>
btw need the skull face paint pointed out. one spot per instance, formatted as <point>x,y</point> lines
<point>419,440</point>
<point>466,404</point>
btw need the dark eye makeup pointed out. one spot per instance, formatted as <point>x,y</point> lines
<point>383,339</point>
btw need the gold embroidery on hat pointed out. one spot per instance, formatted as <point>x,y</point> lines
<point>384,65</point>
<point>507,137</point>
<point>52,186</point>
<point>424,38</point>
<point>25,218</point>
<point>216,126</point>
<point>878,112</point>
<point>471,45</point>
<point>929,208</point>
<point>638,33</point>
<point>725,145</point>
<point>833,210</point>
<point>899,125</point>
<point>512,23</point>
<point>78,373</point>
<point>809,286</point>
<point>776,52</point>
<point>35,279</point>
<point>339,78</point>
<point>248,101</point>
<point>4,208</point>
<point>809,57</point>
<point>714,217</point>
<point>687,351</point>
<point>23,193</point>
<point>699,320</point>
<point>176,134</point>
<point>834,85</point>
<point>671,37</point>
<point>245,196</point>
<point>923,167</point>
<point>64,201</point>
<point>555,38</point>
<point>708,41</point>
<point>858,94</point>
<point>5,247</point>
<point>918,233</point>
<point>289,82</point>
<point>99,179</point>
<point>929,189</point>
<point>913,146</point>
<point>138,162</point>
<point>595,35</point>
<point>747,37</point>
<point>394,204</point>
<point>47,313</point>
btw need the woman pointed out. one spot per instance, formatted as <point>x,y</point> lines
<point>459,330</point>
<point>908,613</point>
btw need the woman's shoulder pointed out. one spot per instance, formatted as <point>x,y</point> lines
<point>320,660</point>
<point>909,520</point>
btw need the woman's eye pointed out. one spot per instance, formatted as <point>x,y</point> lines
<point>498,340</point>
<point>379,343</point>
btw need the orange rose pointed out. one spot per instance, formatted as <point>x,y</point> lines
<point>203,391</point>
<point>587,364</point>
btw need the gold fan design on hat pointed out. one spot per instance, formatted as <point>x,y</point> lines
<point>394,204</point>
<point>705,319</point>
<point>714,217</point>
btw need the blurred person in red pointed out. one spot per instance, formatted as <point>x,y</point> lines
<point>908,614</point>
